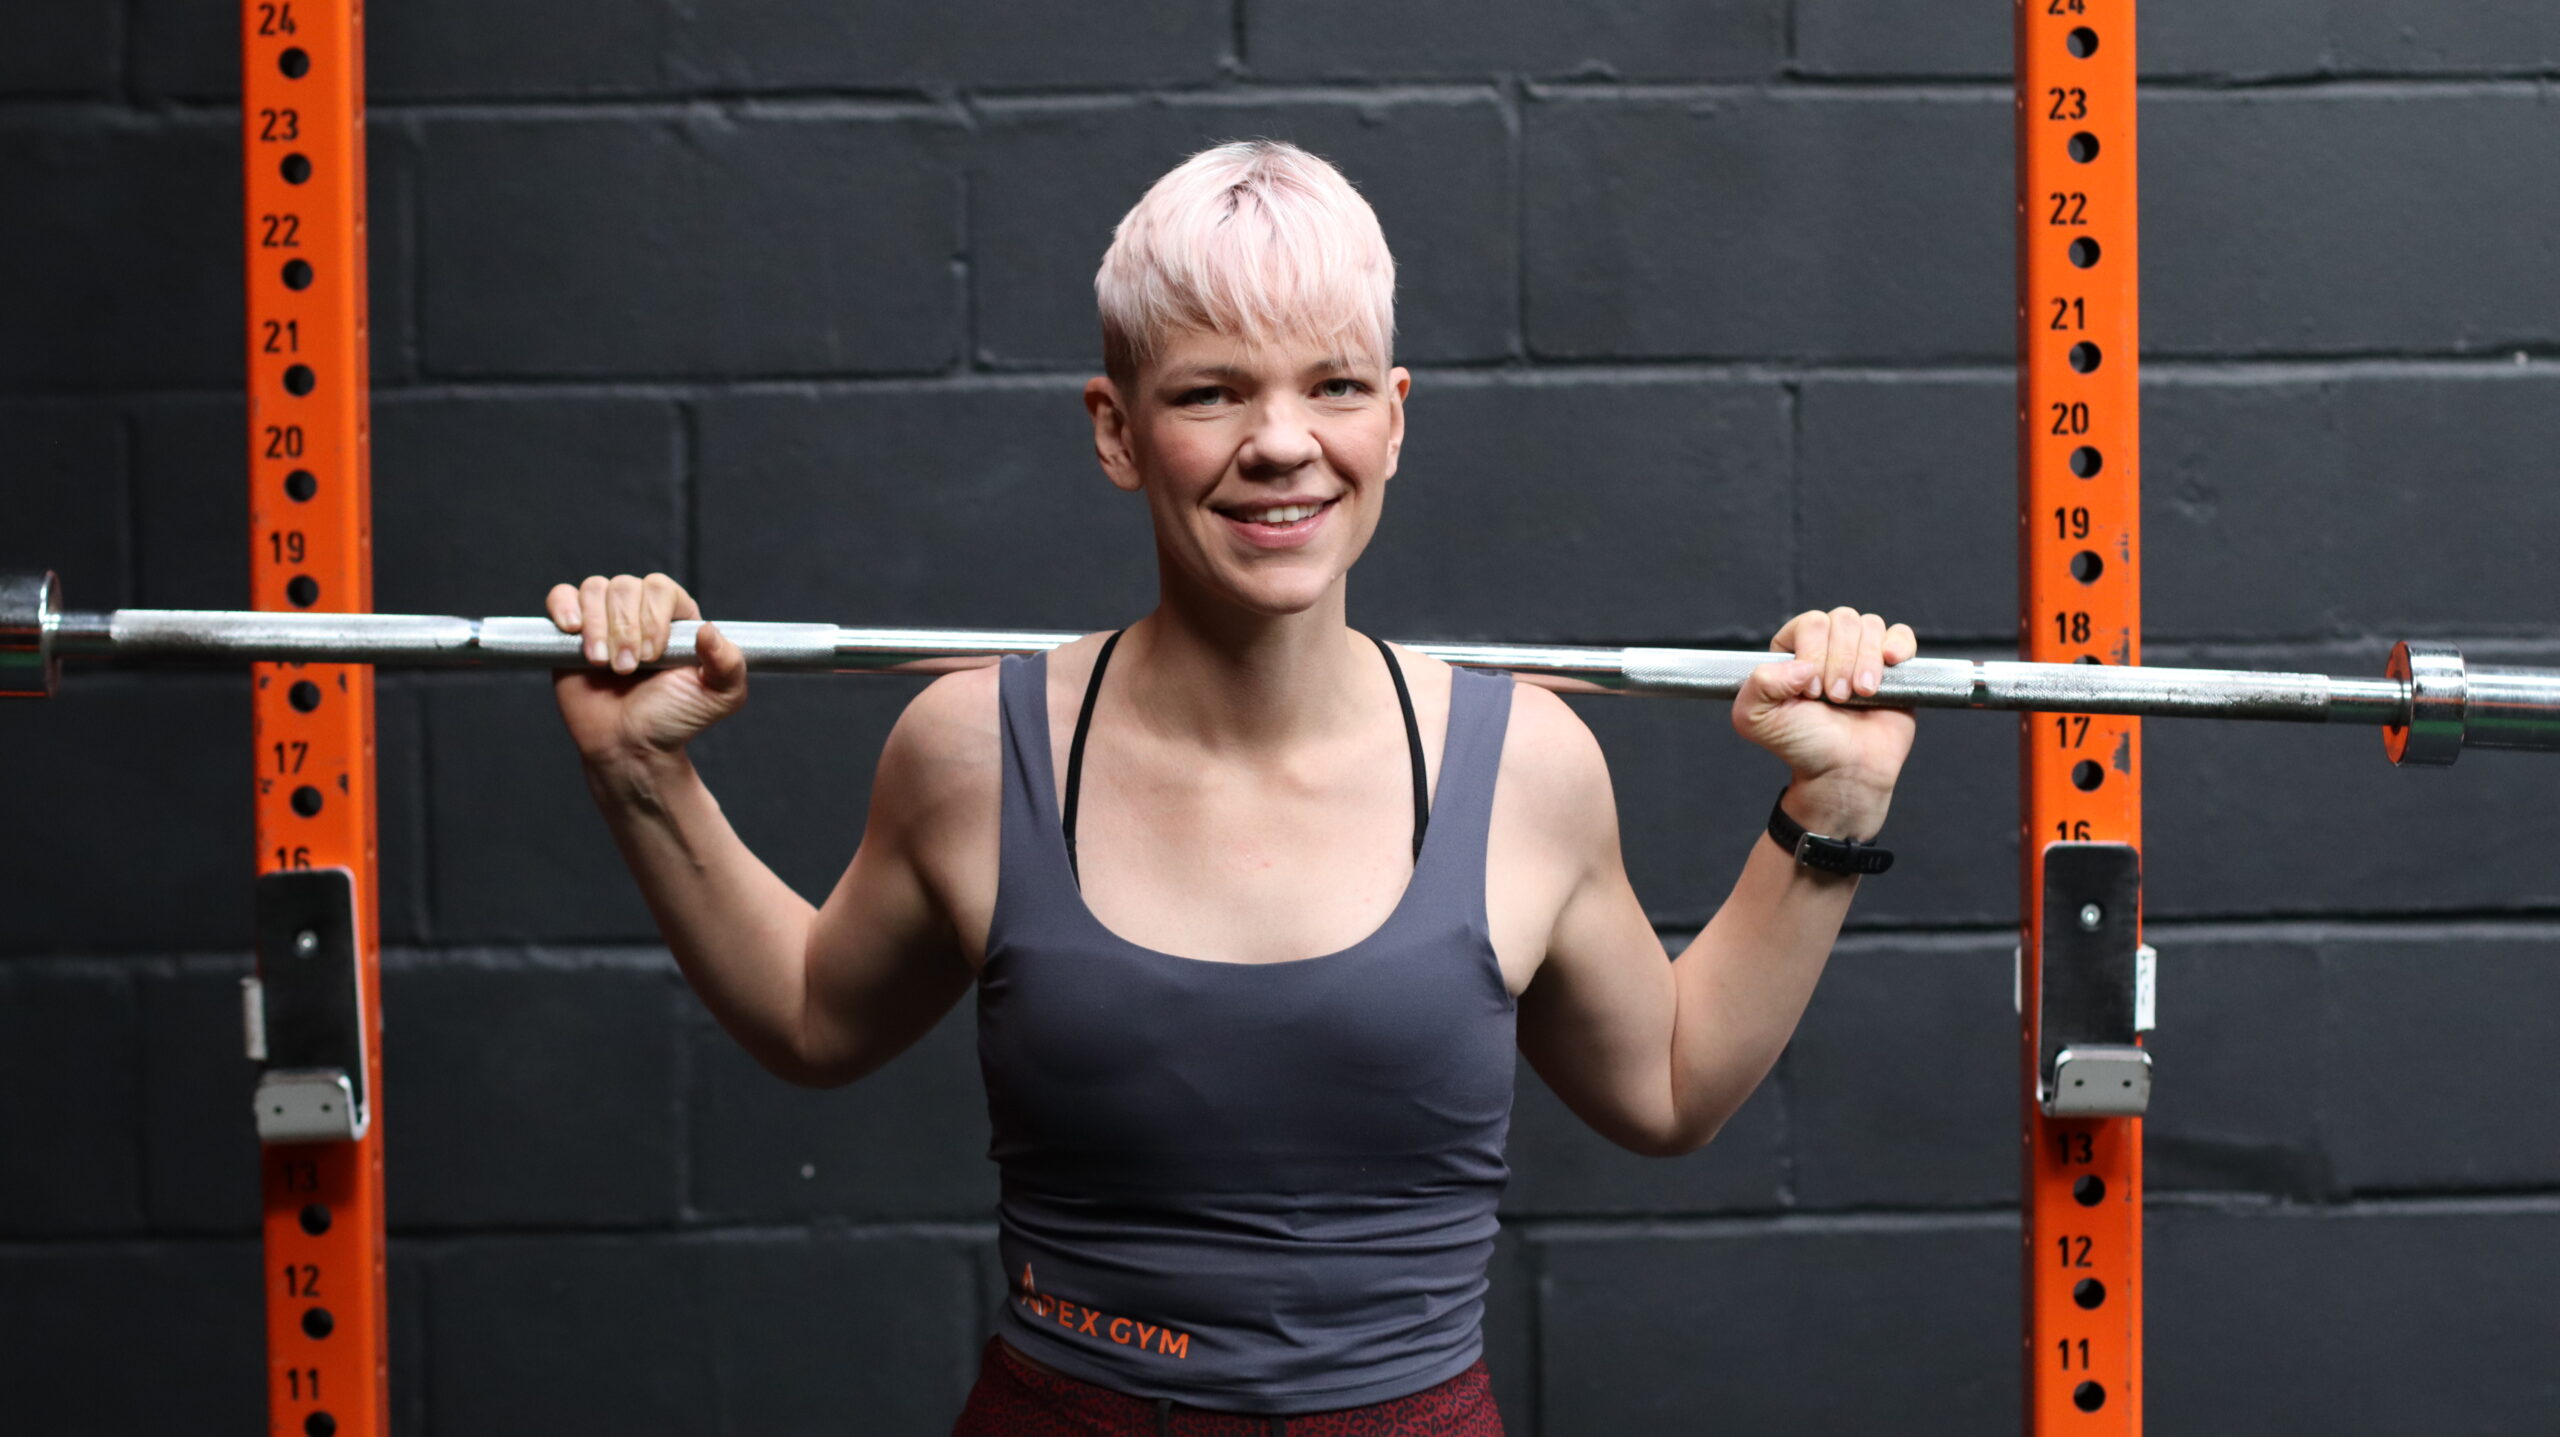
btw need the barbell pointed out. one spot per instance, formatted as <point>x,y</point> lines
<point>2430,704</point>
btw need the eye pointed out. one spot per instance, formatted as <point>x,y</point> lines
<point>1205,394</point>
<point>1340,387</point>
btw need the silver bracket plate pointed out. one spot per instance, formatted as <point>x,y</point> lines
<point>2092,984</point>
<point>308,1106</point>
<point>2101,1081</point>
<point>309,1015</point>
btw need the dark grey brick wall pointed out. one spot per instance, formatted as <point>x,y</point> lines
<point>1709,304</point>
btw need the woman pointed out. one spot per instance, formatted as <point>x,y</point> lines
<point>1256,907</point>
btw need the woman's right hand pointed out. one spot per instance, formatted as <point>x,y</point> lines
<point>615,712</point>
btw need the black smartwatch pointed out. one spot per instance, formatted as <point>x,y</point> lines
<point>1814,850</point>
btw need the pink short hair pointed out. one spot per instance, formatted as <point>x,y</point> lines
<point>1258,239</point>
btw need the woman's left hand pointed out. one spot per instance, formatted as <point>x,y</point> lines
<point>1850,756</point>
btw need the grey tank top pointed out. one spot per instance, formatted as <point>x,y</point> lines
<point>1261,1187</point>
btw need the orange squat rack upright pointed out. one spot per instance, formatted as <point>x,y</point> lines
<point>315,1005</point>
<point>2083,980</point>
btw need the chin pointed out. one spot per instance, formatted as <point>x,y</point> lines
<point>1278,595</point>
<point>1277,603</point>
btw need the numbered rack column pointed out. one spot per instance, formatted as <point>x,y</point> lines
<point>302,113</point>
<point>2079,470</point>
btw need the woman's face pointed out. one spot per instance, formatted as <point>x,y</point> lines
<point>1262,464</point>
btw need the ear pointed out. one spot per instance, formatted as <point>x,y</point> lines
<point>1399,384</point>
<point>1111,437</point>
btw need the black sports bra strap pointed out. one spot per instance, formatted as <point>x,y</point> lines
<point>1413,746</point>
<point>1084,725</point>
<point>1075,749</point>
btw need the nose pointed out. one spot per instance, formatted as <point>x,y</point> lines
<point>1282,439</point>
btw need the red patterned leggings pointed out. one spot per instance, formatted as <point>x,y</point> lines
<point>1015,1399</point>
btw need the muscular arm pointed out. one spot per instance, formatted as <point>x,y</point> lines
<point>818,995</point>
<point>886,955</point>
<point>1655,1055</point>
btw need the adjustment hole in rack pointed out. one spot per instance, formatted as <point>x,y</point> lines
<point>2090,1190</point>
<point>2086,566</point>
<point>2084,252</point>
<point>2089,1293</point>
<point>297,274</point>
<point>2084,147</point>
<point>306,800</point>
<point>2086,461</point>
<point>2088,1397</point>
<point>299,380</point>
<point>305,696</point>
<point>2086,357</point>
<point>2088,659</point>
<point>297,169</point>
<point>315,1215</point>
<point>2086,775</point>
<point>319,1424</point>
<point>304,591</point>
<point>296,62</point>
<point>316,1322</point>
<point>300,485</point>
<point>2082,43</point>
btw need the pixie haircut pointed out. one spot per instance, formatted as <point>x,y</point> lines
<point>1257,239</point>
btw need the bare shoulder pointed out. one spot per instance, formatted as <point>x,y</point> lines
<point>1427,677</point>
<point>944,757</point>
<point>1553,773</point>
<point>941,756</point>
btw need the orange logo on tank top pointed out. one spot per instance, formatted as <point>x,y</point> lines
<point>1087,1321</point>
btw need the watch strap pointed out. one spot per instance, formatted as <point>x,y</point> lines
<point>1820,851</point>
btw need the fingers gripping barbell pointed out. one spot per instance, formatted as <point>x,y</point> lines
<point>2430,705</point>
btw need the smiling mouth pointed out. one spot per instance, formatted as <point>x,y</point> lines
<point>1276,517</point>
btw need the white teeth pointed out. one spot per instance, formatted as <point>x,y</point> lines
<point>1287,514</point>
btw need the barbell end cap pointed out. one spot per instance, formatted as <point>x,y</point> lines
<point>2438,686</point>
<point>30,611</point>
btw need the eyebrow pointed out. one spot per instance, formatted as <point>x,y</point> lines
<point>1330,364</point>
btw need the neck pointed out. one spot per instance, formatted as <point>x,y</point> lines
<point>1211,674</point>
